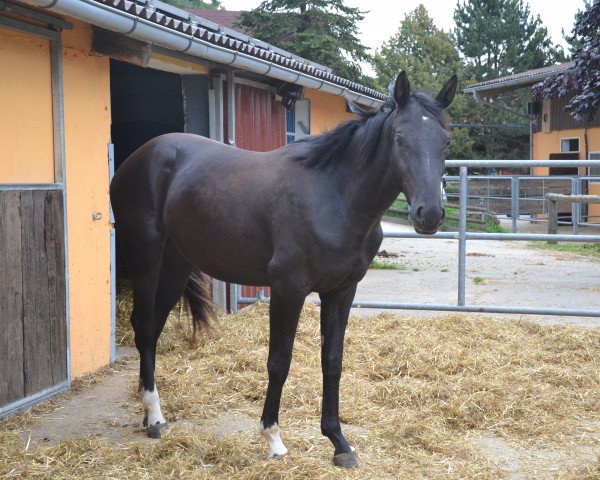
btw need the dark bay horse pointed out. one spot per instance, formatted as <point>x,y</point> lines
<point>303,218</point>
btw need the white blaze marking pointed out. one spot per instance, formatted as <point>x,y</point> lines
<point>151,402</point>
<point>425,118</point>
<point>276,446</point>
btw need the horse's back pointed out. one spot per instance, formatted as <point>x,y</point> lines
<point>212,201</point>
<point>147,175</point>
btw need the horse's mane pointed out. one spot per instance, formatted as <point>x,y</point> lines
<point>325,150</point>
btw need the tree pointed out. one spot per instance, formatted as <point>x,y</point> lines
<point>211,4</point>
<point>429,57</point>
<point>500,37</point>
<point>421,49</point>
<point>583,81</point>
<point>573,43</point>
<point>318,30</point>
<point>497,38</point>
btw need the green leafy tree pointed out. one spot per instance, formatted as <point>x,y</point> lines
<point>419,47</point>
<point>500,37</point>
<point>429,57</point>
<point>318,30</point>
<point>211,4</point>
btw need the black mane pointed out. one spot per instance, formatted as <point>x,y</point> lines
<point>325,150</point>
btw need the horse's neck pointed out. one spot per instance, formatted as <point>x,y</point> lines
<point>372,187</point>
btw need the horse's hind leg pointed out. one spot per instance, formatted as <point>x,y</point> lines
<point>174,274</point>
<point>144,254</point>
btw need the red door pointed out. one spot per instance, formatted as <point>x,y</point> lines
<point>259,126</point>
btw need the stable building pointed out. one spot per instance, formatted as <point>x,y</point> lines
<point>555,134</point>
<point>85,83</point>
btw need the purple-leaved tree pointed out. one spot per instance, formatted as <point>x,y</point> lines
<point>583,81</point>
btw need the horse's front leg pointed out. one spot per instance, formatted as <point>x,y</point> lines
<point>335,307</point>
<point>284,312</point>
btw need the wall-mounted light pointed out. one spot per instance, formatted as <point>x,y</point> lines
<point>288,94</point>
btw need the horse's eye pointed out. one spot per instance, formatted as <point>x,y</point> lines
<point>400,140</point>
<point>448,142</point>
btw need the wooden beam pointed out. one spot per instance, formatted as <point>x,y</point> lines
<point>120,47</point>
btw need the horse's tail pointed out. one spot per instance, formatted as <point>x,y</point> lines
<point>198,301</point>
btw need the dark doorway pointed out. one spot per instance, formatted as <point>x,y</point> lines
<point>145,103</point>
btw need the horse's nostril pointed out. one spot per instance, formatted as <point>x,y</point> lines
<point>419,214</point>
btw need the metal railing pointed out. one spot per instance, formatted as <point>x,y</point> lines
<point>577,186</point>
<point>462,235</point>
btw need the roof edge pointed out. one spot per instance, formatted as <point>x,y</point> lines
<point>519,80</point>
<point>175,29</point>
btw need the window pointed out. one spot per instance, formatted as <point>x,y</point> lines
<point>569,144</point>
<point>594,171</point>
<point>298,121</point>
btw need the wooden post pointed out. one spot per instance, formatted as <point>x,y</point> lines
<point>552,216</point>
<point>553,199</point>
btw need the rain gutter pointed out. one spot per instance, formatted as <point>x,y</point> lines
<point>144,30</point>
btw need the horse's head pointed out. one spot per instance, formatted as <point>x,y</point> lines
<point>420,140</point>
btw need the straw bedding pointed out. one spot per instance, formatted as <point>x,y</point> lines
<point>415,393</point>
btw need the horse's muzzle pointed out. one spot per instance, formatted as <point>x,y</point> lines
<point>428,219</point>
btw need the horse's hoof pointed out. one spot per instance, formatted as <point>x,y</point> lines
<point>277,456</point>
<point>155,431</point>
<point>346,460</point>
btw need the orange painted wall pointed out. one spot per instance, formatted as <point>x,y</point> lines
<point>546,143</point>
<point>326,111</point>
<point>87,134</point>
<point>26,131</point>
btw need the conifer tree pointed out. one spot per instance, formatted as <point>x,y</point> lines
<point>318,30</point>
<point>500,37</point>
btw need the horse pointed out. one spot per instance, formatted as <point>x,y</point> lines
<point>303,218</point>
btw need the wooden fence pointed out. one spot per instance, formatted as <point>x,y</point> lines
<point>555,198</point>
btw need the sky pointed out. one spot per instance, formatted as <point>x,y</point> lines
<point>384,16</point>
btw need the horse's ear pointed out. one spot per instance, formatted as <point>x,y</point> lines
<point>446,95</point>
<point>401,90</point>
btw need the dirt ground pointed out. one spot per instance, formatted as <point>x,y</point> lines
<point>509,273</point>
<point>497,273</point>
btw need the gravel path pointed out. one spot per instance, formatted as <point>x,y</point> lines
<point>498,273</point>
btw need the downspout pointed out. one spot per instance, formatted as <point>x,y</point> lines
<point>231,107</point>
<point>136,27</point>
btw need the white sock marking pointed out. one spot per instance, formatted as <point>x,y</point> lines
<point>276,446</point>
<point>151,402</point>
